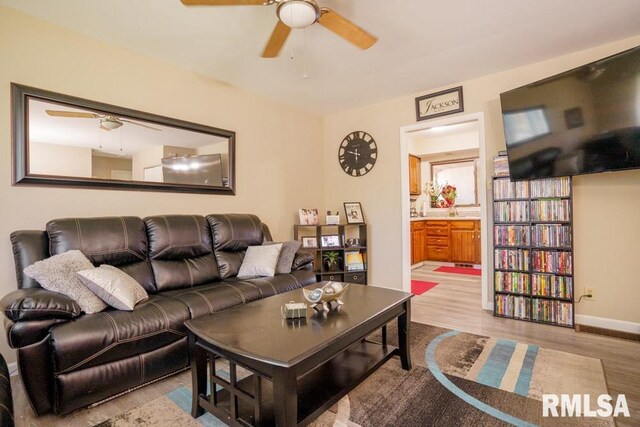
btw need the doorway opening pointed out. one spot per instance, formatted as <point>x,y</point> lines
<point>441,233</point>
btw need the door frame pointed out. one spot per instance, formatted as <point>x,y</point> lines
<point>483,193</point>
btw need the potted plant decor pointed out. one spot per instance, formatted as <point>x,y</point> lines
<point>331,260</point>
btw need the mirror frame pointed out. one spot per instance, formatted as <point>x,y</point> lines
<point>475,161</point>
<point>20,95</point>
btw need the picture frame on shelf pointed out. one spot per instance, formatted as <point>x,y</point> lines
<point>354,261</point>
<point>330,241</point>
<point>352,242</point>
<point>309,242</point>
<point>353,213</point>
<point>309,216</point>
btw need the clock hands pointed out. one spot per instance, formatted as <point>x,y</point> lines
<point>355,153</point>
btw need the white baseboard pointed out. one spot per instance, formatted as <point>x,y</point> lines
<point>13,368</point>
<point>603,322</point>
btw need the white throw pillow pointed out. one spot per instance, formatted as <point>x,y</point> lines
<point>113,286</point>
<point>260,261</point>
<point>58,274</point>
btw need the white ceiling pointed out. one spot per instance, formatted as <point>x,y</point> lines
<point>422,44</point>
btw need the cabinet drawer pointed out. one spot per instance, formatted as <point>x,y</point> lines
<point>438,253</point>
<point>355,278</point>
<point>437,241</point>
<point>437,230</point>
<point>463,225</point>
<point>433,223</point>
<point>334,277</point>
<point>418,225</point>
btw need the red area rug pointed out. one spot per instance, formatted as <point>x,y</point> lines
<point>419,287</point>
<point>460,270</point>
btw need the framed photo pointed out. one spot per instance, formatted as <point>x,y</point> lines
<point>309,216</point>
<point>573,118</point>
<point>439,104</point>
<point>309,242</point>
<point>352,242</point>
<point>330,241</point>
<point>353,213</point>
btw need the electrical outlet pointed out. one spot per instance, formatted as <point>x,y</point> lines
<point>590,291</point>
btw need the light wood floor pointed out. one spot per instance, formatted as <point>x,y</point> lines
<point>453,304</point>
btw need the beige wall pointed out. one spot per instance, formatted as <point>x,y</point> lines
<point>607,206</point>
<point>277,149</point>
<point>101,167</point>
<point>61,160</point>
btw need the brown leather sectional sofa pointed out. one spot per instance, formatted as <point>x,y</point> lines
<point>188,265</point>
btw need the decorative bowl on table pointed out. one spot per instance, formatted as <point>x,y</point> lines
<point>321,298</point>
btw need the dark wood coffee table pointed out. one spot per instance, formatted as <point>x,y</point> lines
<point>300,368</point>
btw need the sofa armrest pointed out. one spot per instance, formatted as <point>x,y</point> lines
<point>38,304</point>
<point>303,261</point>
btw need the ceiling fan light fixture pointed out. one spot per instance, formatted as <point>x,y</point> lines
<point>109,123</point>
<point>298,13</point>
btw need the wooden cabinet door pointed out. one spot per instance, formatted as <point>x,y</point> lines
<point>463,246</point>
<point>417,246</point>
<point>478,258</point>
<point>414,247</point>
<point>414,175</point>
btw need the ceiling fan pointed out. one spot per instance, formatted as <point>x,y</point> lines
<point>107,121</point>
<point>298,14</point>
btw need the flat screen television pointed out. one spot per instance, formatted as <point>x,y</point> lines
<point>582,121</point>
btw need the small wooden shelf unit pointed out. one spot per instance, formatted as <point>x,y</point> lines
<point>533,250</point>
<point>344,232</point>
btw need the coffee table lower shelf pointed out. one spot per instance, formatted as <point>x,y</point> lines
<point>318,389</point>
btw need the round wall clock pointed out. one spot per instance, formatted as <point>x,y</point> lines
<point>357,153</point>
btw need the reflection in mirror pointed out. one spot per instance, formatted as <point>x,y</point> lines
<point>69,142</point>
<point>461,174</point>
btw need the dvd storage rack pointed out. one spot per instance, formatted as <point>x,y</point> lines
<point>533,250</point>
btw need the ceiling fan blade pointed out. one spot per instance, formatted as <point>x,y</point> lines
<point>223,2</point>
<point>275,43</point>
<point>346,29</point>
<point>139,124</point>
<point>57,113</point>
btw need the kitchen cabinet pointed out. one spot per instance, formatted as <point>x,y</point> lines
<point>415,175</point>
<point>446,241</point>
<point>465,242</point>
<point>418,239</point>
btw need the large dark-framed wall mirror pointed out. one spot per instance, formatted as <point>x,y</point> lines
<point>62,140</point>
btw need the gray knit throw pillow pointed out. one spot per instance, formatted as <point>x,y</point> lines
<point>58,274</point>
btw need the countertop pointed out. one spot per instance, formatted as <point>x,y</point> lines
<point>446,218</point>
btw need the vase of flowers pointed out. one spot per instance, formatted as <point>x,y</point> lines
<point>433,190</point>
<point>449,194</point>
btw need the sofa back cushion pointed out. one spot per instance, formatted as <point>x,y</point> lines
<point>180,251</point>
<point>232,234</point>
<point>117,241</point>
<point>28,247</point>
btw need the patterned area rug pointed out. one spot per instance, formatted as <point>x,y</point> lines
<point>458,379</point>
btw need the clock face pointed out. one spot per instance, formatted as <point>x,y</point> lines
<point>357,153</point>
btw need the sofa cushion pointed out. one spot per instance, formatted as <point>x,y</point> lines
<point>232,234</point>
<point>28,247</point>
<point>117,241</point>
<point>113,334</point>
<point>260,261</point>
<point>58,274</point>
<point>180,251</point>
<point>113,286</point>
<point>220,296</point>
<point>287,255</point>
